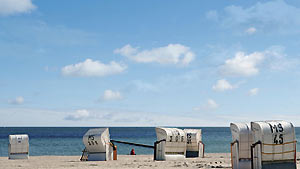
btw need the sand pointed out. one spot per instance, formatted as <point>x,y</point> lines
<point>212,160</point>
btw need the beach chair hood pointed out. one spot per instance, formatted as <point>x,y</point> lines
<point>95,140</point>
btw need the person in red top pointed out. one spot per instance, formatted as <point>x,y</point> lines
<point>132,152</point>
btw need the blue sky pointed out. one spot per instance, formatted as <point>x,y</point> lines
<point>148,63</point>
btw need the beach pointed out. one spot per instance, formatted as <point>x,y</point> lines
<point>211,160</point>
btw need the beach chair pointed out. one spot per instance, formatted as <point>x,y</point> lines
<point>97,145</point>
<point>274,145</point>
<point>240,147</point>
<point>263,145</point>
<point>18,147</point>
<point>194,145</point>
<point>170,144</point>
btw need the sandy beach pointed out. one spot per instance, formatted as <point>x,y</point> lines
<point>212,160</point>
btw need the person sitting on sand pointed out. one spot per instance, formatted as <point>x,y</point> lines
<point>132,152</point>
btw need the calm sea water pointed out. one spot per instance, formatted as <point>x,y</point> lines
<point>68,140</point>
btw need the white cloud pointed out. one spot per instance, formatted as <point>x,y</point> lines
<point>250,30</point>
<point>78,115</point>
<point>222,85</point>
<point>253,92</point>
<point>212,15</point>
<point>17,100</point>
<point>269,16</point>
<point>111,95</point>
<point>171,54</point>
<point>243,65</point>
<point>278,60</point>
<point>90,68</point>
<point>273,58</point>
<point>210,105</point>
<point>11,7</point>
<point>127,50</point>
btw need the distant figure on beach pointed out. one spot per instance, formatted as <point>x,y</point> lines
<point>132,152</point>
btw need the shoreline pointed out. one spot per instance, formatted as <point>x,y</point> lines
<point>211,160</point>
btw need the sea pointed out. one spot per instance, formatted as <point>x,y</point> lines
<point>67,141</point>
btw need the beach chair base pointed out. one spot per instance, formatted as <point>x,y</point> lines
<point>18,156</point>
<point>97,157</point>
<point>279,165</point>
<point>192,154</point>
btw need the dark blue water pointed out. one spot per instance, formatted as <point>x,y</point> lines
<point>68,140</point>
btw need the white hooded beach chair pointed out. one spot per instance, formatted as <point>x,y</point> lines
<point>97,145</point>
<point>170,144</point>
<point>274,145</point>
<point>18,147</point>
<point>263,145</point>
<point>242,140</point>
<point>194,144</point>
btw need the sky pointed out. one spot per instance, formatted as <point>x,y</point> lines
<point>148,63</point>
